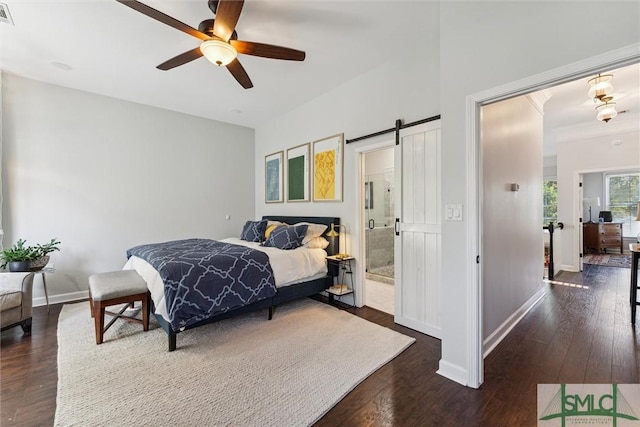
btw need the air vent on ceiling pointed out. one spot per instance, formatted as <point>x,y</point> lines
<point>5,16</point>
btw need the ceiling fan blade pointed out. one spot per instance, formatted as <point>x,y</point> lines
<point>227,15</point>
<point>267,50</point>
<point>238,72</point>
<point>165,19</point>
<point>181,59</point>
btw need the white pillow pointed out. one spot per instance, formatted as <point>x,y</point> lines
<point>317,243</point>
<point>313,230</point>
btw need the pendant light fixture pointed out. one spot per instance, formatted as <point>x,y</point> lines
<point>600,87</point>
<point>606,110</point>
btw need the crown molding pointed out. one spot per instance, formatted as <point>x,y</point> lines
<point>626,123</point>
<point>539,98</point>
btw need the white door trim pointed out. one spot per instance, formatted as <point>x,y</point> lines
<point>359,151</point>
<point>614,59</point>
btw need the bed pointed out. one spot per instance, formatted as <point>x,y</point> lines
<point>308,278</point>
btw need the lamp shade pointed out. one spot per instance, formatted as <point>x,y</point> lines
<point>591,201</point>
<point>333,233</point>
<point>600,86</point>
<point>218,52</point>
<point>606,111</point>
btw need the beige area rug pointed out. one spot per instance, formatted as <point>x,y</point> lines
<point>244,371</point>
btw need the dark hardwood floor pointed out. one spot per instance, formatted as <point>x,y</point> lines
<point>573,335</point>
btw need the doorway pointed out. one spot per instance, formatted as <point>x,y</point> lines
<point>378,206</point>
<point>475,284</point>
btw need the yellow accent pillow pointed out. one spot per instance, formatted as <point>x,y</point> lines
<point>270,228</point>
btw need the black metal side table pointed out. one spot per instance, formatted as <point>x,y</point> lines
<point>344,285</point>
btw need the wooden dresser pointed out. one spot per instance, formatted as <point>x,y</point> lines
<point>602,236</point>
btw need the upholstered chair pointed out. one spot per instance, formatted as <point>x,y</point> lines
<point>16,290</point>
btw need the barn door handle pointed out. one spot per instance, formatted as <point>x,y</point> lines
<point>397,226</point>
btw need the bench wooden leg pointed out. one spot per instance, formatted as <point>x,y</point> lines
<point>98,311</point>
<point>98,315</point>
<point>146,308</point>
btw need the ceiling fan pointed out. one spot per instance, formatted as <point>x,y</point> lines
<point>220,43</point>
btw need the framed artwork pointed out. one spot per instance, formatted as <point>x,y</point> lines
<point>298,173</point>
<point>328,160</point>
<point>273,167</point>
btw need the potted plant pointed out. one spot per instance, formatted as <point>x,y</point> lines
<point>18,257</point>
<point>21,257</point>
<point>41,253</point>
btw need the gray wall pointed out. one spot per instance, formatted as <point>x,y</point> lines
<point>102,175</point>
<point>512,221</point>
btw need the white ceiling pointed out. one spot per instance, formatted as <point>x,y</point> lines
<point>113,50</point>
<point>570,112</point>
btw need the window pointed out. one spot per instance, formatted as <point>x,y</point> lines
<point>622,195</point>
<point>550,201</point>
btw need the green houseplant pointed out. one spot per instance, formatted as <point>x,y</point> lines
<point>21,257</point>
<point>42,254</point>
<point>18,257</point>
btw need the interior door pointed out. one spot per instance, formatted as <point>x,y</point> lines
<point>418,296</point>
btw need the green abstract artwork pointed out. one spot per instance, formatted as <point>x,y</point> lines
<point>296,178</point>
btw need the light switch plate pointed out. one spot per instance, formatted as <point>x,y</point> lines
<point>453,212</point>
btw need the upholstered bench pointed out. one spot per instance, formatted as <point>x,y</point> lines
<point>117,287</point>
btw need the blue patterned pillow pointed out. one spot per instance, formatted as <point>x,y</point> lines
<point>253,231</point>
<point>287,237</point>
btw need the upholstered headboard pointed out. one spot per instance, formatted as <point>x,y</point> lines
<point>334,243</point>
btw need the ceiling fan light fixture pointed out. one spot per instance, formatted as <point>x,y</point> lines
<point>606,111</point>
<point>218,52</point>
<point>600,86</point>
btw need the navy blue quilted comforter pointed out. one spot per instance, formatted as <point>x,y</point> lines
<point>204,277</point>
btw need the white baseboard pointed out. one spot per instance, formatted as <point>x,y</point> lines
<point>60,298</point>
<point>498,335</point>
<point>567,267</point>
<point>453,372</point>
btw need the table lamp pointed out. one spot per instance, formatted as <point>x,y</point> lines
<point>333,234</point>
<point>591,201</point>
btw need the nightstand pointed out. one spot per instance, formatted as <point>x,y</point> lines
<point>341,269</point>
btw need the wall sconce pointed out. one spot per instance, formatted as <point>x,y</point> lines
<point>515,187</point>
<point>333,234</point>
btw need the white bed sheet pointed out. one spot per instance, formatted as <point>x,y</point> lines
<point>289,267</point>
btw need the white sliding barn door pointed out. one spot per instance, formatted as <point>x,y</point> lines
<point>418,229</point>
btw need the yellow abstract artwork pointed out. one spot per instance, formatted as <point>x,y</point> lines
<point>325,175</point>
